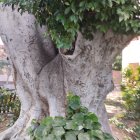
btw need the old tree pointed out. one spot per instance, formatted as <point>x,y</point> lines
<point>73,50</point>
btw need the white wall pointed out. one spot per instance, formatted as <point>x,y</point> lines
<point>1,43</point>
<point>131,54</point>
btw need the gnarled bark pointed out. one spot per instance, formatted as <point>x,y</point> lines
<point>43,77</point>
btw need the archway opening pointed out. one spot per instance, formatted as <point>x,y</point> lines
<point>123,121</point>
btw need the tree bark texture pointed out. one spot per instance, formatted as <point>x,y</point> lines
<point>44,77</point>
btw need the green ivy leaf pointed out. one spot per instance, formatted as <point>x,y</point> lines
<point>38,132</point>
<point>83,136</point>
<point>67,3</point>
<point>97,133</point>
<point>67,10</point>
<point>92,117</point>
<point>74,18</point>
<point>74,102</point>
<point>47,121</point>
<point>82,3</point>
<point>71,125</point>
<point>88,124</point>
<point>51,137</point>
<point>70,136</point>
<point>58,121</point>
<point>58,131</point>
<point>110,3</point>
<point>73,7</point>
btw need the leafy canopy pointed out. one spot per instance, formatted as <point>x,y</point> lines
<point>79,124</point>
<point>65,18</point>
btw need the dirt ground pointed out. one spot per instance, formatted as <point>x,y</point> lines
<point>116,111</point>
<point>4,122</point>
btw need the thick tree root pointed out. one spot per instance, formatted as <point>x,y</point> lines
<point>19,130</point>
<point>13,133</point>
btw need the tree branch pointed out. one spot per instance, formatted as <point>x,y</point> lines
<point>20,31</point>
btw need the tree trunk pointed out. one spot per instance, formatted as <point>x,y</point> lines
<point>44,77</point>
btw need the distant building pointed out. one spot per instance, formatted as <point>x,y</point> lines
<point>131,54</point>
<point>130,57</point>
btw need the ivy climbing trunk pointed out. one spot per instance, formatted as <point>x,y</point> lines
<point>44,76</point>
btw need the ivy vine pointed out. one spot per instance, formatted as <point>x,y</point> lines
<point>79,124</point>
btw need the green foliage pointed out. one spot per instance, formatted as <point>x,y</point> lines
<point>117,123</point>
<point>131,91</point>
<point>79,124</point>
<point>117,65</point>
<point>65,18</point>
<point>136,130</point>
<point>9,103</point>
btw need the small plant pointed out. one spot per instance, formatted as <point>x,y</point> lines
<point>131,91</point>
<point>117,65</point>
<point>117,123</point>
<point>79,124</point>
<point>9,103</point>
<point>136,130</point>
